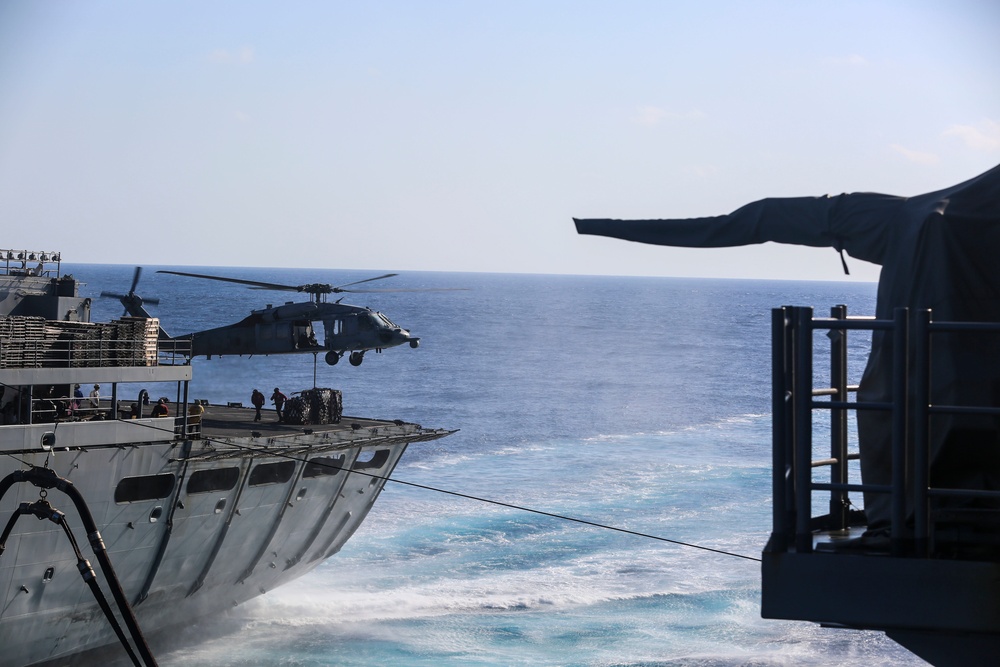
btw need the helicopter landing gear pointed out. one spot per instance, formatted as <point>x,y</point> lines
<point>333,357</point>
<point>356,358</point>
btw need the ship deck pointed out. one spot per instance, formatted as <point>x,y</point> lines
<point>220,421</point>
<point>218,424</point>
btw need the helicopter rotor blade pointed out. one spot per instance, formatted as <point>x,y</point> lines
<point>405,289</point>
<point>135,279</point>
<point>116,295</point>
<point>366,280</point>
<point>388,290</point>
<point>239,281</point>
<point>313,288</point>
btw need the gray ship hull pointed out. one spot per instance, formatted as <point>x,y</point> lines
<point>238,520</point>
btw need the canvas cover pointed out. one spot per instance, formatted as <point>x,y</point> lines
<point>940,251</point>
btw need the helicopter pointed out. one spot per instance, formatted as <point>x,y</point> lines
<point>288,328</point>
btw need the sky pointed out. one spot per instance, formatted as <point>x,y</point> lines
<point>465,136</point>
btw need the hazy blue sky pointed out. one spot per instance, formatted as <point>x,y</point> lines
<point>465,135</point>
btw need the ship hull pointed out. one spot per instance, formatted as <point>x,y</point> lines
<point>236,521</point>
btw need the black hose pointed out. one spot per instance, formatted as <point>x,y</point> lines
<point>46,478</point>
<point>6,531</point>
<point>43,510</point>
<point>97,544</point>
<point>90,577</point>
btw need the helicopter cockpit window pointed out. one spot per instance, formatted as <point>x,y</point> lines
<point>366,321</point>
<point>385,321</point>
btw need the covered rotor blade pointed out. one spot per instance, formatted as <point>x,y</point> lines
<point>937,250</point>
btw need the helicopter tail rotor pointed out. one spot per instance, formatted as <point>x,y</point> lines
<point>132,301</point>
<point>135,279</point>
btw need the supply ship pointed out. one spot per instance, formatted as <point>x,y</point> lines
<point>184,515</point>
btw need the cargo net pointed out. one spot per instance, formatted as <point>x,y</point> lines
<point>35,342</point>
<point>314,406</point>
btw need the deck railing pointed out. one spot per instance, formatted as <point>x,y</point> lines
<point>42,263</point>
<point>34,342</point>
<point>794,402</point>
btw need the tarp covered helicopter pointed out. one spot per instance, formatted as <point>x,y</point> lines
<point>289,328</point>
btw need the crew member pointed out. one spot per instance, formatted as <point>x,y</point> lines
<point>279,401</point>
<point>257,398</point>
<point>160,409</point>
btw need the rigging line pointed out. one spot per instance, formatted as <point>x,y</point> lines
<point>570,518</point>
<point>489,501</point>
<point>21,461</point>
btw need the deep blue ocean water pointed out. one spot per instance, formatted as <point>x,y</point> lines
<point>642,403</point>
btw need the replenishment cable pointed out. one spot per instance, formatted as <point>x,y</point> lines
<point>562,517</point>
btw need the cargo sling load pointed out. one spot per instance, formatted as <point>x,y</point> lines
<point>939,255</point>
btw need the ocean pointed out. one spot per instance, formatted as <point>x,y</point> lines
<point>637,403</point>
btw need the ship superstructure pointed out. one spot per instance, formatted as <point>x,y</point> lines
<point>198,510</point>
